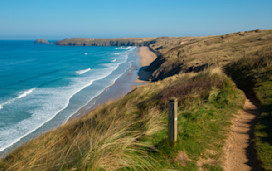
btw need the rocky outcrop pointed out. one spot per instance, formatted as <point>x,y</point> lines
<point>41,41</point>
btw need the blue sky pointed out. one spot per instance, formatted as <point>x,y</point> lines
<point>58,19</point>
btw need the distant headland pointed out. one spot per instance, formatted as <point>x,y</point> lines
<point>106,42</point>
<point>41,41</point>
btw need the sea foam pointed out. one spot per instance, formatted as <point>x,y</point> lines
<point>129,47</point>
<point>56,100</point>
<point>79,72</point>
<point>21,95</point>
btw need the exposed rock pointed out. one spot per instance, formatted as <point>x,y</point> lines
<point>41,41</point>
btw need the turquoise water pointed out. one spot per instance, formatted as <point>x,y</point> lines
<point>42,85</point>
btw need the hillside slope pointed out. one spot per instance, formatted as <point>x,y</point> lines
<point>131,133</point>
<point>188,54</point>
<point>193,54</point>
<point>253,74</point>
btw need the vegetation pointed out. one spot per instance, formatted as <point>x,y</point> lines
<point>105,42</point>
<point>194,54</point>
<point>188,54</point>
<point>131,133</point>
<point>253,73</point>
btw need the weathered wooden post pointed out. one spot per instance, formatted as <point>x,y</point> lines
<point>172,120</point>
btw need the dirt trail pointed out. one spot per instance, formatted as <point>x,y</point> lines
<point>239,154</point>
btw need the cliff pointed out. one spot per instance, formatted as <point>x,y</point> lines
<point>106,42</point>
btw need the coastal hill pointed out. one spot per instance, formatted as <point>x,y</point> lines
<point>195,54</point>
<point>188,54</point>
<point>211,76</point>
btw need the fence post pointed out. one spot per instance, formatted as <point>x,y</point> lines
<point>172,120</point>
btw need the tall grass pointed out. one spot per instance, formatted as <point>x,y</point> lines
<point>131,133</point>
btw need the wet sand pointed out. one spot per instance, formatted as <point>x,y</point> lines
<point>124,84</point>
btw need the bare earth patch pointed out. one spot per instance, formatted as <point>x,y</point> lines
<point>182,158</point>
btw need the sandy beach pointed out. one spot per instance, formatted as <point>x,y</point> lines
<point>124,84</point>
<point>146,58</point>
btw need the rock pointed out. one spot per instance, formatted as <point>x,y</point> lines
<point>41,41</point>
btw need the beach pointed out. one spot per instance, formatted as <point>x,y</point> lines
<point>146,58</point>
<point>135,77</point>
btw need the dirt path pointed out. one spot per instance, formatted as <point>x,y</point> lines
<point>239,154</point>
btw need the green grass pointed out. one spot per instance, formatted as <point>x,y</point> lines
<point>131,133</point>
<point>201,129</point>
<point>254,74</point>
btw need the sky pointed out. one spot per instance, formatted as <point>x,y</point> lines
<point>59,19</point>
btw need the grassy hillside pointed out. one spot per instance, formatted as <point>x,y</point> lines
<point>131,133</point>
<point>193,54</point>
<point>253,74</point>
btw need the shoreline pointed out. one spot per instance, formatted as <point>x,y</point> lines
<point>135,77</point>
<point>123,85</point>
<point>146,58</point>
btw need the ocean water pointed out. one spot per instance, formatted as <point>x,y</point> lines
<point>43,85</point>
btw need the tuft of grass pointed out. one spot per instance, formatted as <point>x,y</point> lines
<point>253,74</point>
<point>131,133</point>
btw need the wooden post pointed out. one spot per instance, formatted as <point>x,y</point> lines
<point>172,120</point>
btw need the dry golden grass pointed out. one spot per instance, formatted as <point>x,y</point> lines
<point>123,134</point>
<point>112,137</point>
<point>105,139</point>
<point>193,54</point>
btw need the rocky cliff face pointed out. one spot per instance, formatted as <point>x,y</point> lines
<point>41,41</point>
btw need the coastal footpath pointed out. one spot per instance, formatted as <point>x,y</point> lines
<point>221,82</point>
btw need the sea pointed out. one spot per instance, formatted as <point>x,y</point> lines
<point>43,85</point>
